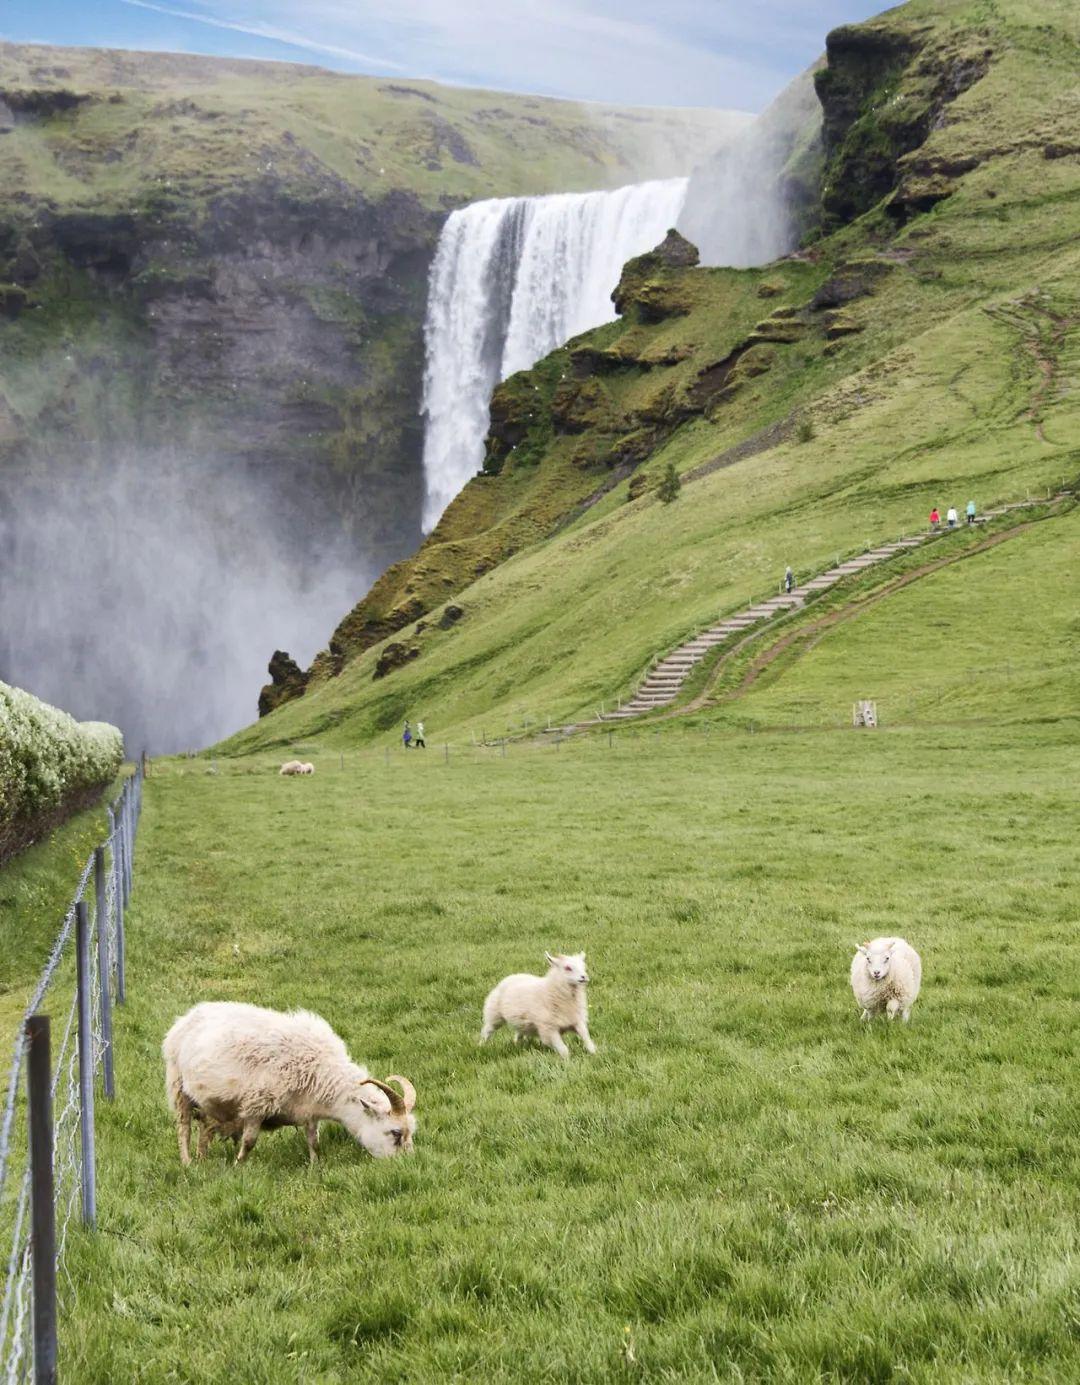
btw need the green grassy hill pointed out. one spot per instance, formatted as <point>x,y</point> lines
<point>924,354</point>
<point>116,130</point>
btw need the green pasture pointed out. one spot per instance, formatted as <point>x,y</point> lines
<point>744,1183</point>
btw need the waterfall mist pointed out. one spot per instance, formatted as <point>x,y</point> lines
<point>513,278</point>
<point>149,589</point>
<point>746,205</point>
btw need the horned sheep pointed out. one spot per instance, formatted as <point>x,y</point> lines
<point>241,1068</point>
<point>547,1006</point>
<point>885,976</point>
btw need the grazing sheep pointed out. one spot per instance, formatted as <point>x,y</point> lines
<point>240,1069</point>
<point>292,767</point>
<point>307,768</point>
<point>548,1006</point>
<point>885,975</point>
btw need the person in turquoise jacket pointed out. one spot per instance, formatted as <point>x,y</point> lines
<point>971,512</point>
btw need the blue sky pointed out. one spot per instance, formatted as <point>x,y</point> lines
<point>734,53</point>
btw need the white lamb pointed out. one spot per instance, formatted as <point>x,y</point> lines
<point>240,1068</point>
<point>292,767</point>
<point>885,975</point>
<point>306,768</point>
<point>548,1006</point>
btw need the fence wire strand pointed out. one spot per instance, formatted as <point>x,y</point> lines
<point>16,1347</point>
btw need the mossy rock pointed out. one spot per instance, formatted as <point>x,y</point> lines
<point>577,405</point>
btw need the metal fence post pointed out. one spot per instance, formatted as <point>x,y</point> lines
<point>42,1205</point>
<point>128,841</point>
<point>118,905</point>
<point>446,748</point>
<point>101,920</point>
<point>86,1065</point>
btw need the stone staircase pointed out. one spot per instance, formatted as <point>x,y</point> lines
<point>664,680</point>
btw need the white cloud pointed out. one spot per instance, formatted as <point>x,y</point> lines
<point>692,52</point>
<point>259,30</point>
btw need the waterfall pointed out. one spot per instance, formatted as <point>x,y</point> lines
<point>513,278</point>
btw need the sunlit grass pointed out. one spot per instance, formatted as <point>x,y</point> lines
<point>743,1180</point>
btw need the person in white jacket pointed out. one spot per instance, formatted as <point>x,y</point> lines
<point>952,519</point>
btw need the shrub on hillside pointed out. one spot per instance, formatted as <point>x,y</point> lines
<point>50,764</point>
<point>670,485</point>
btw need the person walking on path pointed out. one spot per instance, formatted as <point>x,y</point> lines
<point>419,742</point>
<point>971,512</point>
<point>789,580</point>
<point>935,518</point>
<point>952,518</point>
<point>406,735</point>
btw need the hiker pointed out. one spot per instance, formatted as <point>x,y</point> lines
<point>419,742</point>
<point>789,580</point>
<point>971,512</point>
<point>935,518</point>
<point>406,735</point>
<point>952,518</point>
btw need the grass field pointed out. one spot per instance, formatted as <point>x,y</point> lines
<point>745,1183</point>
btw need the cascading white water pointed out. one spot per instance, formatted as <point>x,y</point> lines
<point>513,278</point>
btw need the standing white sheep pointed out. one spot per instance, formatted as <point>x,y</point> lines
<point>886,975</point>
<point>240,1068</point>
<point>292,767</point>
<point>548,1006</point>
<point>306,768</point>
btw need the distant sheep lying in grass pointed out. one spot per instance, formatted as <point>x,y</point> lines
<point>886,975</point>
<point>241,1069</point>
<point>548,1006</point>
<point>297,767</point>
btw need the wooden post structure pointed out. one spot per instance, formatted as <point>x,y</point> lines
<point>87,1172</point>
<point>42,1205</point>
<point>104,980</point>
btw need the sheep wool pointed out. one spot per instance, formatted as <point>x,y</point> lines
<point>239,1068</point>
<point>292,767</point>
<point>547,1006</point>
<point>885,977</point>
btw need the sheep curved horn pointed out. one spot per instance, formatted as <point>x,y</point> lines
<point>407,1088</point>
<point>397,1105</point>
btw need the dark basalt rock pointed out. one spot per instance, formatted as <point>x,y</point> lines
<point>676,252</point>
<point>450,617</point>
<point>287,680</point>
<point>394,656</point>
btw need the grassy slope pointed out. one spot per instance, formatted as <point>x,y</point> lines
<point>189,126</point>
<point>743,1180</point>
<point>994,637</point>
<point>35,890</point>
<point>961,383</point>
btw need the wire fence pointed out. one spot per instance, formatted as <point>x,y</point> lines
<point>47,1160</point>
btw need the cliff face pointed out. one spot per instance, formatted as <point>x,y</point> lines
<point>219,269</point>
<point>884,87</point>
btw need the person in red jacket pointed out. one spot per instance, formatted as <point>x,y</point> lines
<point>935,518</point>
